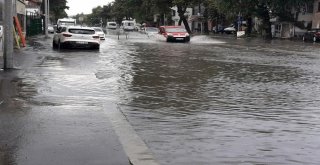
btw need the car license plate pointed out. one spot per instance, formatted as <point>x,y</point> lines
<point>81,42</point>
<point>179,38</point>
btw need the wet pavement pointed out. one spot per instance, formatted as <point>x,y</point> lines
<point>35,131</point>
<point>215,100</point>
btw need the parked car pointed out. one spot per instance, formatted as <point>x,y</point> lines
<point>76,37</point>
<point>50,29</point>
<point>137,27</point>
<point>174,33</point>
<point>111,25</point>
<point>230,29</point>
<point>100,33</point>
<point>150,31</point>
<point>218,29</point>
<point>312,35</point>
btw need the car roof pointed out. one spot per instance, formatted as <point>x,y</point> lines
<point>171,26</point>
<point>80,27</point>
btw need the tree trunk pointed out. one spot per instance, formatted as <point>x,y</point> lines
<point>180,22</point>
<point>181,12</point>
<point>205,24</point>
<point>249,26</point>
<point>266,24</point>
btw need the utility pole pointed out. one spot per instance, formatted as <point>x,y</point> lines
<point>48,11</point>
<point>46,17</point>
<point>8,35</point>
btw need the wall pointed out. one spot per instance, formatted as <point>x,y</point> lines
<point>316,15</point>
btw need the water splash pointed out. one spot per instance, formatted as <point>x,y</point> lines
<point>202,39</point>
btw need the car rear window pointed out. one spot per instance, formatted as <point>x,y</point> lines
<point>81,31</point>
<point>172,30</point>
<point>112,24</point>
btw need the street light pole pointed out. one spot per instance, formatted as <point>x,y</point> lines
<point>48,11</point>
<point>8,35</point>
<point>46,16</point>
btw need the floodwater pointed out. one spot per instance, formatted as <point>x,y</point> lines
<point>215,100</point>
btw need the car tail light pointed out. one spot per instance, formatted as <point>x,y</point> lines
<point>96,37</point>
<point>67,35</point>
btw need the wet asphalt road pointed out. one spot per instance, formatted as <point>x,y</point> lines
<point>214,100</point>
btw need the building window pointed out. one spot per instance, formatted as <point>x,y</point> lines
<point>173,13</point>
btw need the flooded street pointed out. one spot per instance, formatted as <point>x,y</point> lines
<point>215,100</point>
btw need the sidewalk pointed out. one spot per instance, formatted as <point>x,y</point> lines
<point>32,134</point>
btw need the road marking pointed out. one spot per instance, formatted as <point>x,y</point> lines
<point>133,145</point>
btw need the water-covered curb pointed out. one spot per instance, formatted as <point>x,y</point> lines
<point>135,148</point>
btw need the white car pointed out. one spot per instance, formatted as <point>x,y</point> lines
<point>100,32</point>
<point>50,29</point>
<point>111,25</point>
<point>76,37</point>
<point>230,30</point>
<point>150,31</point>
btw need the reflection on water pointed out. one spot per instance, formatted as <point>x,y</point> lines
<point>210,101</point>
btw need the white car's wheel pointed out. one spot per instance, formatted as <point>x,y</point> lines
<point>59,45</point>
<point>54,45</point>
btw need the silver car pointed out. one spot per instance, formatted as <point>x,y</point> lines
<point>100,32</point>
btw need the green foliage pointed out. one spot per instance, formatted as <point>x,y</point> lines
<point>57,9</point>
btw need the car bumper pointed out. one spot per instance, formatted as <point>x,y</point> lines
<point>178,38</point>
<point>80,44</point>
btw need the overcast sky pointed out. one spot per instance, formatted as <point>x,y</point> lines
<point>84,6</point>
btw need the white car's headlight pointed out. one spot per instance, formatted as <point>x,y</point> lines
<point>187,35</point>
<point>169,34</point>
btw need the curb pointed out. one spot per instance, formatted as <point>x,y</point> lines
<point>135,148</point>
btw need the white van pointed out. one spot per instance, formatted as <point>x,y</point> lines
<point>128,25</point>
<point>111,25</point>
<point>66,22</point>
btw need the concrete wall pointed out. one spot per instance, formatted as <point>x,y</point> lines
<point>316,15</point>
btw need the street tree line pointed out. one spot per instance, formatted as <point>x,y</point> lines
<point>146,10</point>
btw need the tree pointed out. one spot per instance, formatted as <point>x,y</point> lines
<point>182,6</point>
<point>263,9</point>
<point>57,9</point>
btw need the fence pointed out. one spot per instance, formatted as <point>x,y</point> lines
<point>33,24</point>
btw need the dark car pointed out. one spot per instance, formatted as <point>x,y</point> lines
<point>312,35</point>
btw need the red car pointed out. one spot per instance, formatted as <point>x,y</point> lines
<point>174,33</point>
<point>313,35</point>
